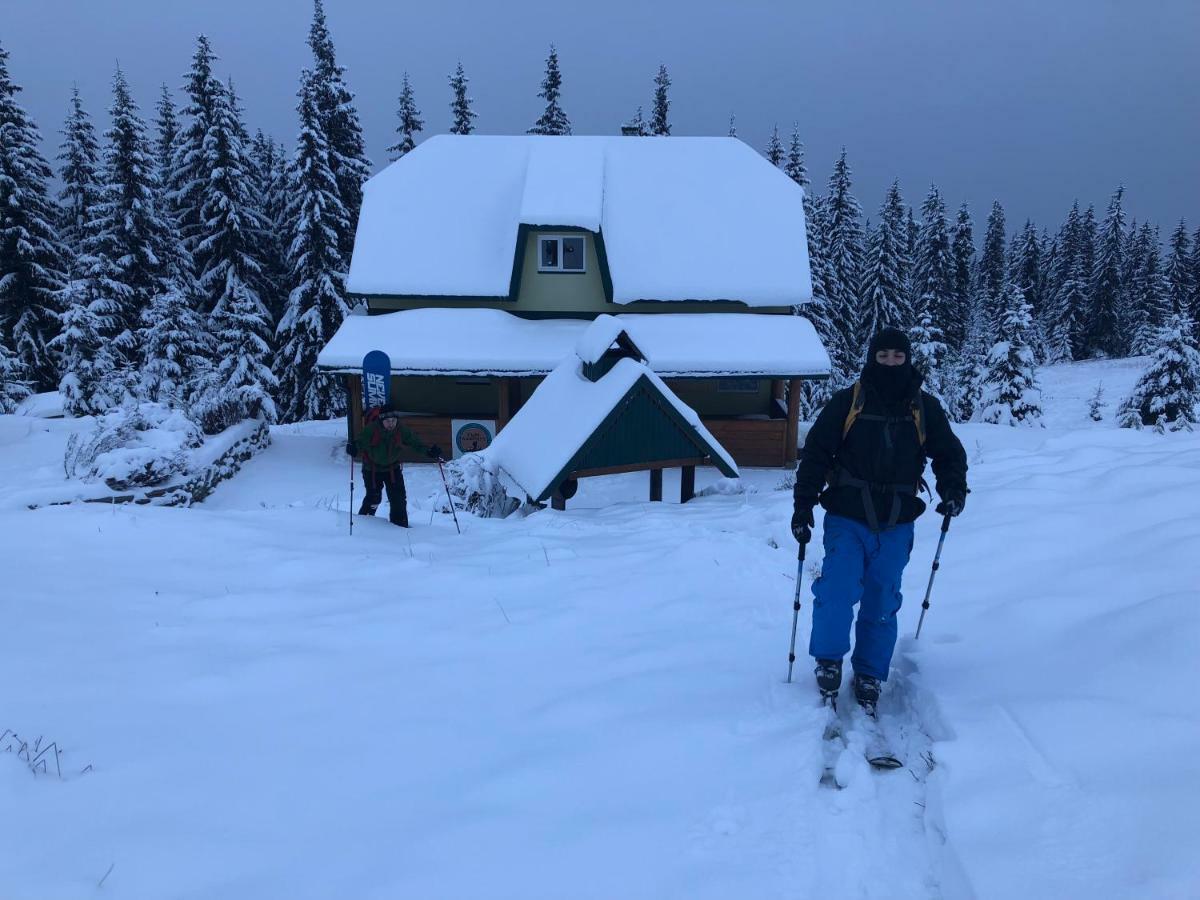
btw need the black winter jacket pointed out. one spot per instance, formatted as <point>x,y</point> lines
<point>880,453</point>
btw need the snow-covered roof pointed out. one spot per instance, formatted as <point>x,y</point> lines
<point>682,218</point>
<point>474,341</point>
<point>540,440</point>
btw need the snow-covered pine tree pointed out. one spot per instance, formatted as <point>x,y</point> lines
<point>1066,292</point>
<point>934,268</point>
<point>992,273</point>
<point>929,354</point>
<point>1196,280</point>
<point>239,384</point>
<point>1025,264</point>
<point>884,304</point>
<point>841,218</point>
<point>176,347</point>
<point>794,167</point>
<point>962,248</point>
<point>1096,404</point>
<point>127,230</point>
<point>1107,286</point>
<point>732,128</point>
<point>92,381</point>
<point>32,258</point>
<point>1010,389</point>
<point>636,127</point>
<point>1148,304</point>
<point>80,156</point>
<point>409,122</point>
<point>339,119</point>
<point>774,152</point>
<point>270,173</point>
<point>14,380</point>
<point>166,135</point>
<point>1169,390</point>
<point>1180,284</point>
<point>461,113</point>
<point>660,123</point>
<point>552,120</point>
<point>190,168</point>
<point>317,304</point>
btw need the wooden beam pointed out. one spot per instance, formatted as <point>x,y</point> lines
<point>793,422</point>
<point>558,501</point>
<point>687,483</point>
<point>641,467</point>
<point>656,485</point>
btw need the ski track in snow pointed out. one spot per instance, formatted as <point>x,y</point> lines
<point>592,704</point>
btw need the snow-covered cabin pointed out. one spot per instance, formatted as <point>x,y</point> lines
<point>481,259</point>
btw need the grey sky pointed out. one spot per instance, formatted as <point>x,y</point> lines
<point>1033,102</point>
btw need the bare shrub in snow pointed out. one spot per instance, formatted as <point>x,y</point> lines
<point>787,482</point>
<point>474,488</point>
<point>135,445</point>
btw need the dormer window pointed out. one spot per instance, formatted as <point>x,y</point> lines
<point>560,253</point>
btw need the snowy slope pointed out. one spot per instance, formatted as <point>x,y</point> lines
<point>591,703</point>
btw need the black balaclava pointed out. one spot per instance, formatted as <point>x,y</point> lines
<point>892,382</point>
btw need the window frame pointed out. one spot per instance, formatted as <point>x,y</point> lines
<point>559,269</point>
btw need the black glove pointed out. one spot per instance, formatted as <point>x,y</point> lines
<point>802,523</point>
<point>434,452</point>
<point>952,504</point>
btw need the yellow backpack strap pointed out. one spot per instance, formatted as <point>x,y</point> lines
<point>856,406</point>
<point>918,414</point>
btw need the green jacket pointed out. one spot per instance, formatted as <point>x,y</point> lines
<point>380,450</point>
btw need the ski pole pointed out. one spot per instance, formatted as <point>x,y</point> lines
<point>351,496</point>
<point>936,557</point>
<point>449,499</point>
<point>796,610</point>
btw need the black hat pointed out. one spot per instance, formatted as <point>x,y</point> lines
<point>889,339</point>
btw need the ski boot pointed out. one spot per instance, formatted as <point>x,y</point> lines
<point>866,692</point>
<point>829,679</point>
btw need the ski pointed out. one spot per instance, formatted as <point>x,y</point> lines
<point>833,742</point>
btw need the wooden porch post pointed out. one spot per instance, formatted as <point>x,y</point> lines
<point>558,501</point>
<point>656,484</point>
<point>504,403</point>
<point>793,422</point>
<point>687,483</point>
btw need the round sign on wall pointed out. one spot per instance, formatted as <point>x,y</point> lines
<point>472,436</point>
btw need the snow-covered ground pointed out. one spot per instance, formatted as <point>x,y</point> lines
<point>592,703</point>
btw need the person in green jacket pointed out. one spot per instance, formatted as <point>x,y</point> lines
<point>380,445</point>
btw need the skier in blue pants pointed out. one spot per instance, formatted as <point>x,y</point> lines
<point>864,461</point>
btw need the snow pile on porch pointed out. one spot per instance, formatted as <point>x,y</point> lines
<point>563,413</point>
<point>493,342</point>
<point>682,218</point>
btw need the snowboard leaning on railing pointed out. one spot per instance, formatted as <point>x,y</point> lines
<point>864,457</point>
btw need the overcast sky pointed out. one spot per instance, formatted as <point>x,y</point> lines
<point>1033,102</point>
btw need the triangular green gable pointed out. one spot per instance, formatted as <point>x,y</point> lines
<point>643,427</point>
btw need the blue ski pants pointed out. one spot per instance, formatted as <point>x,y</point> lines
<point>861,567</point>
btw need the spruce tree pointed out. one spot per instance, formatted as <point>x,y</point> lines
<point>409,123</point>
<point>240,382</point>
<point>929,354</point>
<point>272,188</point>
<point>1010,390</point>
<point>842,217</point>
<point>883,300</point>
<point>92,379</point>
<point>127,229</point>
<point>176,347</point>
<point>1107,286</point>
<point>1066,293</point>
<point>732,129</point>
<point>934,272</point>
<point>190,168</point>
<point>1026,266</point>
<point>462,116</point>
<point>32,258</point>
<point>317,304</point>
<point>1169,390</point>
<point>794,167</point>
<point>636,126</point>
<point>659,117</point>
<point>339,120</point>
<point>774,151</point>
<point>962,248</point>
<point>14,381</point>
<point>992,272</point>
<point>1196,279</point>
<point>166,128</point>
<point>553,120</point>
<point>80,156</point>
<point>1180,279</point>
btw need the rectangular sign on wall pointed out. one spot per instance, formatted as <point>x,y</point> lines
<point>469,435</point>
